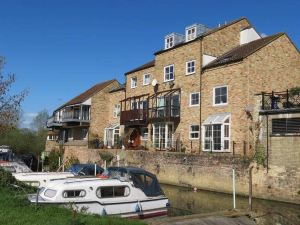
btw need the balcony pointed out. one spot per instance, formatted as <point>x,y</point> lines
<point>75,114</point>
<point>164,114</point>
<point>52,122</point>
<point>280,102</point>
<point>134,110</point>
<point>134,117</point>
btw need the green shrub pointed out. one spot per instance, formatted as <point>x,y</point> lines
<point>72,160</point>
<point>294,91</point>
<point>106,156</point>
<point>54,160</point>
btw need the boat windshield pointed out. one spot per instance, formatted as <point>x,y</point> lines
<point>147,182</point>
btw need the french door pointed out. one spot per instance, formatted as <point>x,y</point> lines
<point>162,135</point>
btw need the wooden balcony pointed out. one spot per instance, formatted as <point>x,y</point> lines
<point>134,117</point>
<point>164,114</point>
<point>52,122</point>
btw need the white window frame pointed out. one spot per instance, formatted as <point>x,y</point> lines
<point>142,136</point>
<point>214,94</point>
<point>223,138</point>
<point>117,110</point>
<point>194,132</point>
<point>169,42</point>
<point>187,67</point>
<point>167,143</point>
<point>144,80</point>
<point>193,93</point>
<point>133,83</point>
<point>192,36</point>
<point>169,66</point>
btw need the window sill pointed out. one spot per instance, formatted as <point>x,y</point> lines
<point>133,87</point>
<point>166,81</point>
<point>220,151</point>
<point>220,105</point>
<point>194,105</point>
<point>188,74</point>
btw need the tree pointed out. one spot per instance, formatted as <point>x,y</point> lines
<point>9,103</point>
<point>39,122</point>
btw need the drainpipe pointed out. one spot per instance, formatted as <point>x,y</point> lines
<point>267,143</point>
<point>200,107</point>
<point>250,188</point>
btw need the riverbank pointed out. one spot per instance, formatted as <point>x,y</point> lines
<point>16,210</point>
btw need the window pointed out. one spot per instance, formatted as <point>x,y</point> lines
<point>194,132</point>
<point>195,99</point>
<point>112,192</point>
<point>133,82</point>
<point>190,67</point>
<point>169,73</point>
<point>144,133</point>
<point>117,109</point>
<point>74,193</point>
<point>169,42</point>
<point>285,126</point>
<point>146,79</point>
<point>217,133</point>
<point>190,33</point>
<point>220,95</point>
<point>84,133</point>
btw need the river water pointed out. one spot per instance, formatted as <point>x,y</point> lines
<point>185,201</point>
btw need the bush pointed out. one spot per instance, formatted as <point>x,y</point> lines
<point>72,160</point>
<point>294,91</point>
<point>260,156</point>
<point>106,156</point>
<point>54,160</point>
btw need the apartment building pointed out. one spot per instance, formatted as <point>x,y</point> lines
<point>83,120</point>
<point>199,92</point>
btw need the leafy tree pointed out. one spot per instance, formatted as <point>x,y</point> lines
<point>9,103</point>
<point>39,122</point>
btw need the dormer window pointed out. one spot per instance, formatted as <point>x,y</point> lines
<point>169,42</point>
<point>190,33</point>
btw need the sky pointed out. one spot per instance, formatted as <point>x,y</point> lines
<point>59,48</point>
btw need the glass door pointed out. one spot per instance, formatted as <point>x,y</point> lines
<point>162,135</point>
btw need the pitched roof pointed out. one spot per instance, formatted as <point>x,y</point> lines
<point>142,67</point>
<point>203,35</point>
<point>87,94</point>
<point>121,87</point>
<point>242,51</point>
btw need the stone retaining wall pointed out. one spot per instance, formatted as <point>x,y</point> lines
<point>207,171</point>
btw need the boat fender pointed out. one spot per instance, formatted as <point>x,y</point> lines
<point>104,213</point>
<point>168,204</point>
<point>138,207</point>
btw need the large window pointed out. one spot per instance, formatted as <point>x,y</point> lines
<point>220,95</point>
<point>133,82</point>
<point>169,73</point>
<point>195,99</point>
<point>190,67</point>
<point>117,109</point>
<point>285,126</point>
<point>146,79</point>
<point>194,132</point>
<point>216,132</point>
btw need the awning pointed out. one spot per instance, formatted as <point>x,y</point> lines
<point>216,118</point>
<point>112,126</point>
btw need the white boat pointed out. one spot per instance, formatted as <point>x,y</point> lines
<point>137,196</point>
<point>41,179</point>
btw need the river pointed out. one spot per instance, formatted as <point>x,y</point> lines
<point>185,201</point>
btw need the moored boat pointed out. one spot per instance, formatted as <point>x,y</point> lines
<point>136,195</point>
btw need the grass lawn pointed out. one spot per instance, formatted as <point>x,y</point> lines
<point>16,210</point>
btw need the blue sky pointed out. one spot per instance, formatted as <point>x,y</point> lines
<point>59,48</point>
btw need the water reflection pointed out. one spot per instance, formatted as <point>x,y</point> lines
<point>184,201</point>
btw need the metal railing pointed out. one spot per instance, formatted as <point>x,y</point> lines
<point>280,100</point>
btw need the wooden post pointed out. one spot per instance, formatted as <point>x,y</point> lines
<point>250,188</point>
<point>287,99</point>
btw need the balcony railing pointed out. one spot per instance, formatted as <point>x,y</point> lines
<point>75,116</point>
<point>164,114</point>
<point>52,122</point>
<point>280,100</point>
<point>134,116</point>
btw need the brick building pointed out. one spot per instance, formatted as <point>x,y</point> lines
<point>203,92</point>
<point>83,120</point>
<point>199,92</point>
